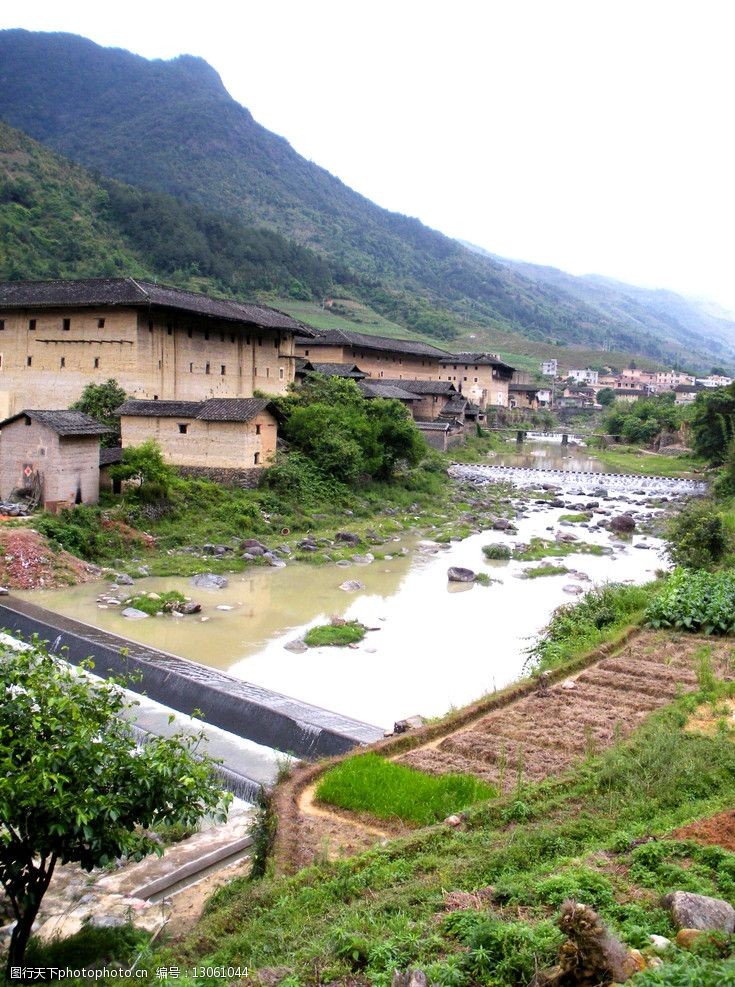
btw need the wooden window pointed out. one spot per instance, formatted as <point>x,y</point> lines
<point>100,323</point>
<point>62,362</point>
<point>306,352</point>
<point>206,368</point>
<point>29,361</point>
<point>222,370</point>
<point>31,324</point>
<point>66,324</point>
<point>96,363</point>
<point>256,458</point>
<point>183,428</point>
<point>257,429</point>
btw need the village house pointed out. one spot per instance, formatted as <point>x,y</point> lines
<point>379,389</point>
<point>714,380</point>
<point>481,377</point>
<point>667,380</point>
<point>550,368</point>
<point>225,439</point>
<point>523,395</point>
<point>157,342</point>
<point>52,457</point>
<point>433,395</point>
<point>686,393</point>
<point>377,356</point>
<point>441,435</point>
<point>585,376</point>
<point>629,394</point>
<point>347,371</point>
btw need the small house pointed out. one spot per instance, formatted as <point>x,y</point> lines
<point>53,457</point>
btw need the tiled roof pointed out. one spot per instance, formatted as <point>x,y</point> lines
<point>434,426</point>
<point>211,410</point>
<point>160,409</point>
<point>524,387</point>
<point>421,386</point>
<point>350,370</point>
<point>64,423</point>
<point>342,337</point>
<point>131,292</point>
<point>476,359</point>
<point>110,456</point>
<point>377,389</point>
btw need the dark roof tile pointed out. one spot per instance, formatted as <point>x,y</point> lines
<point>64,423</point>
<point>342,337</point>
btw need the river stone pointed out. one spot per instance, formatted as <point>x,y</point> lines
<point>275,563</point>
<point>208,580</point>
<point>224,606</point>
<point>297,647</point>
<point>132,613</point>
<point>351,585</point>
<point>697,911</point>
<point>347,536</point>
<point>187,607</point>
<point>501,524</point>
<point>251,543</point>
<point>254,550</point>
<point>456,574</point>
<point>123,579</point>
<point>363,559</point>
<point>622,524</point>
<point>572,589</point>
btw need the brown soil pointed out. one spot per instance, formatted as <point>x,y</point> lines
<point>27,561</point>
<point>517,730</point>
<point>718,830</point>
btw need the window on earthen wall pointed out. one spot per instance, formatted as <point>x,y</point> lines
<point>100,323</point>
<point>257,429</point>
<point>280,373</point>
<point>66,324</point>
<point>256,458</point>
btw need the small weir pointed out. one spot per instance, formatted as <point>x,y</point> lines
<point>581,481</point>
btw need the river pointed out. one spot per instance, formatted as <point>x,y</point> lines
<point>434,645</point>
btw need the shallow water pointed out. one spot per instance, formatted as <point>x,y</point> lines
<point>435,644</point>
<point>543,453</point>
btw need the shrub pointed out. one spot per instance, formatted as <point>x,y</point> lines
<point>545,570</point>
<point>499,552</point>
<point>369,783</point>
<point>696,601</point>
<point>510,953</point>
<point>697,537</point>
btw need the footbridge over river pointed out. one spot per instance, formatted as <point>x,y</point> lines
<point>580,481</point>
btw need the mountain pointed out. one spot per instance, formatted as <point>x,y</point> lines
<point>171,127</point>
<point>58,220</point>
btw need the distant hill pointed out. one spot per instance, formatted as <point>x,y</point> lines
<point>171,127</point>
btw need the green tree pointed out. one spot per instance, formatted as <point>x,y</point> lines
<point>697,538</point>
<point>74,785</point>
<point>101,401</point>
<point>713,423</point>
<point>146,465</point>
<point>606,396</point>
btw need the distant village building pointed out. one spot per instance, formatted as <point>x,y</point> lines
<point>669,379</point>
<point>433,395</point>
<point>714,380</point>
<point>157,342</point>
<point>523,396</point>
<point>390,392</point>
<point>51,456</point>
<point>585,376</point>
<point>346,371</point>
<point>377,356</point>
<point>441,435</point>
<point>629,394</point>
<point>550,368</point>
<point>223,438</point>
<point>482,377</point>
<point>686,393</point>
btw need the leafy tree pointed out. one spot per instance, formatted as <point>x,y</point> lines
<point>74,786</point>
<point>145,463</point>
<point>697,536</point>
<point>713,424</point>
<point>101,401</point>
<point>606,396</point>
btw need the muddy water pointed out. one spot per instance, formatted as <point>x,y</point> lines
<point>434,645</point>
<point>543,453</point>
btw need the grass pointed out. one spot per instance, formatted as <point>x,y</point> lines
<point>545,570</point>
<point>158,603</point>
<point>580,836</point>
<point>541,548</point>
<point>574,518</point>
<point>632,459</point>
<point>335,635</point>
<point>89,946</point>
<point>369,783</point>
<point>496,552</point>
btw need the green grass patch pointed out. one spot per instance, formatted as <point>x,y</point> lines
<point>545,570</point>
<point>542,548</point>
<point>369,783</point>
<point>632,459</point>
<point>575,518</point>
<point>158,603</point>
<point>336,635</point>
<point>89,946</point>
<point>500,553</point>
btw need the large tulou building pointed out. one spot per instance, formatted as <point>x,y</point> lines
<point>157,342</point>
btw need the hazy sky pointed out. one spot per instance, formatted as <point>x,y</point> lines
<point>594,135</point>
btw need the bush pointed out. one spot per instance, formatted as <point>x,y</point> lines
<point>335,635</point>
<point>81,532</point>
<point>369,783</point>
<point>499,552</point>
<point>696,601</point>
<point>697,537</point>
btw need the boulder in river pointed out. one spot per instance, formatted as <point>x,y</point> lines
<point>132,613</point>
<point>501,524</point>
<point>457,574</point>
<point>363,559</point>
<point>187,607</point>
<point>123,579</point>
<point>622,524</point>
<point>351,585</point>
<point>209,580</point>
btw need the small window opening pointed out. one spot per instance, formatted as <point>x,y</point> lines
<point>306,352</point>
<point>232,338</point>
<point>27,420</point>
<point>155,397</point>
<point>260,340</point>
<point>2,324</point>
<point>31,324</point>
<point>66,325</point>
<point>191,368</point>
<point>189,333</point>
<point>256,458</point>
<point>267,371</point>
<point>206,369</point>
<point>222,370</point>
<point>247,340</point>
<point>170,328</point>
<point>62,362</point>
<point>96,363</point>
<point>206,335</point>
<point>150,325</point>
<point>221,337</point>
<point>280,373</point>
<point>100,323</point>
<point>257,429</point>
<point>183,428</point>
<point>29,361</point>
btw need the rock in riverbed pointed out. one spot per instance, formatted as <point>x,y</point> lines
<point>208,580</point>
<point>456,574</point>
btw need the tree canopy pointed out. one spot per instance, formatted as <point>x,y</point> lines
<point>100,401</point>
<point>713,423</point>
<point>74,784</point>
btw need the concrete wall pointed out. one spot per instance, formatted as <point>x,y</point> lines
<point>168,356</point>
<point>65,465</point>
<point>215,445</point>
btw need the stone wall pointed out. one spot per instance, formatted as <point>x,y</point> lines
<point>248,479</point>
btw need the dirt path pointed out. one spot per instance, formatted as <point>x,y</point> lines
<point>534,735</point>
